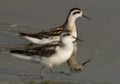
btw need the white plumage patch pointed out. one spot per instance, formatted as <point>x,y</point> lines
<point>22,56</point>
<point>42,41</point>
<point>25,57</point>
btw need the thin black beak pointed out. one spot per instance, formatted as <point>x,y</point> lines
<point>86,17</point>
<point>77,39</point>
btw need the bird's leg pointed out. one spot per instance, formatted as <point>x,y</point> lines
<point>42,72</point>
<point>52,70</point>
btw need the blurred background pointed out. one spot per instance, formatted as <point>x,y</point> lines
<point>100,35</point>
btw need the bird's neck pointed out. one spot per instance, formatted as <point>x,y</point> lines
<point>70,25</point>
<point>70,22</point>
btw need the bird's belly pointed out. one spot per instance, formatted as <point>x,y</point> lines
<point>60,58</point>
<point>57,59</point>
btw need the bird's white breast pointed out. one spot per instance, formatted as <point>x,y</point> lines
<point>61,56</point>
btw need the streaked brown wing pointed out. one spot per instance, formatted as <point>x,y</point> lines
<point>44,51</point>
<point>44,34</point>
<point>49,32</point>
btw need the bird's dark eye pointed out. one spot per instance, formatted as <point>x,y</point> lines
<point>74,37</point>
<point>76,12</point>
<point>66,35</point>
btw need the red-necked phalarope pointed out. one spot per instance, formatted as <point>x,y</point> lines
<point>54,33</point>
<point>50,54</point>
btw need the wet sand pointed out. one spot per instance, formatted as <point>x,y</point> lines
<point>100,35</point>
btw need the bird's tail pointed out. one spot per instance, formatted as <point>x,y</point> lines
<point>22,34</point>
<point>20,54</point>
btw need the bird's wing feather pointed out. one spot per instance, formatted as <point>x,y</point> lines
<point>45,34</point>
<point>45,50</point>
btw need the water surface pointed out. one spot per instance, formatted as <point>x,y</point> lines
<point>100,35</point>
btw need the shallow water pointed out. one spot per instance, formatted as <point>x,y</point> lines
<point>100,35</point>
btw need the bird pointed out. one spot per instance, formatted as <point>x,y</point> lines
<point>49,54</point>
<point>53,34</point>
